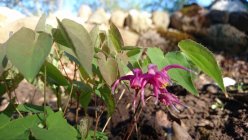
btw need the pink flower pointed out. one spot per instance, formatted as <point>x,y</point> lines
<point>159,81</point>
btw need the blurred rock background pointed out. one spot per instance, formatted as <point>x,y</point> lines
<point>221,25</point>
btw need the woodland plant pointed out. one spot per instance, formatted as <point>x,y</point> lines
<point>102,62</point>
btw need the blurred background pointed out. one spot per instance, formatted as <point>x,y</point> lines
<point>36,7</point>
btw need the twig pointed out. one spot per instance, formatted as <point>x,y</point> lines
<point>68,99</point>
<point>61,63</point>
<point>45,80</point>
<point>136,118</point>
<point>106,124</point>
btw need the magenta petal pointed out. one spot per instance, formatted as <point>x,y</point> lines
<point>168,99</point>
<point>137,72</point>
<point>152,69</point>
<point>114,85</point>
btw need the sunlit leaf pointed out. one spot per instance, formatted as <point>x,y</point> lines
<point>41,26</point>
<point>54,76</point>
<point>203,59</point>
<point>108,68</point>
<point>180,76</point>
<point>58,128</point>
<point>78,38</point>
<point>115,37</point>
<point>156,56</point>
<point>19,128</point>
<point>28,50</point>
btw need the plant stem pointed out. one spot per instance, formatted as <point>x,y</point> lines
<point>134,121</point>
<point>106,124</point>
<point>44,105</point>
<point>68,99</point>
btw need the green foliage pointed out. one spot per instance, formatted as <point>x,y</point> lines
<point>203,59</point>
<point>22,50</point>
<point>181,77</point>
<point>99,57</point>
<point>78,38</point>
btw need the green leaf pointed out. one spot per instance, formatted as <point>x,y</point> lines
<point>203,59</point>
<point>181,77</point>
<point>115,37</point>
<point>108,68</point>
<point>2,56</point>
<point>85,93</point>
<point>94,34</point>
<point>19,128</point>
<point>156,56</point>
<point>122,60</point>
<point>58,126</point>
<point>54,75</point>
<point>96,135</point>
<point>30,108</point>
<point>4,119</point>
<point>41,26</point>
<point>59,38</point>
<point>78,38</point>
<point>107,96</point>
<point>28,50</point>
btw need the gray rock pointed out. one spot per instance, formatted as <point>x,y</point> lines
<point>239,20</point>
<point>9,15</point>
<point>84,12</point>
<point>28,22</point>
<point>161,20</point>
<point>190,19</point>
<point>138,21</point>
<point>217,17</point>
<point>153,39</point>
<point>129,38</point>
<point>179,133</point>
<point>228,5</point>
<point>99,17</point>
<point>224,37</point>
<point>118,18</point>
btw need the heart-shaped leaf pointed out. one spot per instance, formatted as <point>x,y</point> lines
<point>41,25</point>
<point>28,50</point>
<point>203,59</point>
<point>108,68</point>
<point>78,38</point>
<point>115,37</point>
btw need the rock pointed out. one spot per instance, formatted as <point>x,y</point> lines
<point>29,22</point>
<point>189,19</point>
<point>228,81</point>
<point>173,36</point>
<point>217,17</point>
<point>99,17</point>
<point>224,37</point>
<point>84,12</point>
<point>162,119</point>
<point>239,20</point>
<point>179,133</point>
<point>153,39</point>
<point>8,15</point>
<point>228,5</point>
<point>161,20</point>
<point>138,21</point>
<point>129,38</point>
<point>118,18</point>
